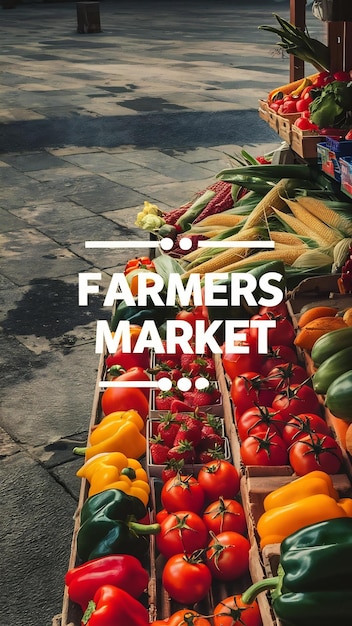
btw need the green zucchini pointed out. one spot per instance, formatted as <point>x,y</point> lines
<point>332,368</point>
<point>330,343</point>
<point>338,397</point>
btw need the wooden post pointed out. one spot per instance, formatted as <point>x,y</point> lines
<point>298,18</point>
<point>88,17</point>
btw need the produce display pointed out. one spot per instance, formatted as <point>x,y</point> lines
<point>222,431</point>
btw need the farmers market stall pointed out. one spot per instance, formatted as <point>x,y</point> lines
<point>216,480</point>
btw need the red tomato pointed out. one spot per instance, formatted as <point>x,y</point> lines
<point>303,104</point>
<point>235,364</point>
<point>231,611</point>
<point>186,579</point>
<point>123,399</point>
<point>304,124</point>
<point>282,334</point>
<point>182,531</point>
<point>219,478</point>
<point>296,399</point>
<point>225,514</point>
<point>257,420</point>
<point>249,389</point>
<point>182,493</point>
<point>278,355</point>
<point>161,515</point>
<point>191,316</point>
<point>286,374</point>
<point>316,452</point>
<point>342,76</point>
<point>303,424</point>
<point>289,106</point>
<point>267,449</point>
<point>181,618</point>
<point>228,556</point>
<point>127,360</point>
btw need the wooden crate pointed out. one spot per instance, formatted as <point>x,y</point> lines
<point>254,489</point>
<point>263,110</point>
<point>304,143</point>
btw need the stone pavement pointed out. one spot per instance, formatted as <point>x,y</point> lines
<point>91,125</point>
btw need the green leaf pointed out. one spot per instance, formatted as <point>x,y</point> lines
<point>166,265</point>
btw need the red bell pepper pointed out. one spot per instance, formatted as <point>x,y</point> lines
<point>121,570</point>
<point>112,605</point>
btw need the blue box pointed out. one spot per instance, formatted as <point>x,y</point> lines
<point>346,175</point>
<point>328,161</point>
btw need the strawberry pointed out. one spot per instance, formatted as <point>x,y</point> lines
<point>205,456</point>
<point>202,397</point>
<point>210,442</point>
<point>201,366</point>
<point>158,450</point>
<point>163,399</point>
<point>212,422</point>
<point>168,429</point>
<point>179,405</point>
<point>188,432</point>
<point>164,371</point>
<point>186,361</point>
<point>184,450</point>
<point>171,469</point>
<point>171,359</point>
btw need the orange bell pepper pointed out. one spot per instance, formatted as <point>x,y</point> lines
<point>276,524</point>
<point>307,485</point>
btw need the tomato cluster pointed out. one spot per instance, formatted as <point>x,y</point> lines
<point>203,531</point>
<point>276,410</point>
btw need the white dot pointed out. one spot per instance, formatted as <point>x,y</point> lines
<point>166,243</point>
<point>201,383</point>
<point>185,243</point>
<point>184,384</point>
<point>165,384</point>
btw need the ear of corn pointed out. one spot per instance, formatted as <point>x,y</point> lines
<point>215,258</point>
<point>208,254</point>
<point>288,220</point>
<point>281,236</point>
<point>287,256</point>
<point>327,236</point>
<point>328,216</point>
<point>221,219</point>
<point>272,200</point>
<point>313,259</point>
<point>341,252</point>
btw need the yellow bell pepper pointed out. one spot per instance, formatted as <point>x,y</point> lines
<point>117,432</point>
<point>114,470</point>
<point>308,485</point>
<point>282,521</point>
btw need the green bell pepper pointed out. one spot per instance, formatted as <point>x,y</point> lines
<point>313,585</point>
<point>108,525</point>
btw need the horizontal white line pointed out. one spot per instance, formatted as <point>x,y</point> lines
<point>236,244</point>
<point>130,383</point>
<point>121,244</point>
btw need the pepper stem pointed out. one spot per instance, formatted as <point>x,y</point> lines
<point>253,591</point>
<point>80,451</point>
<point>88,612</point>
<point>144,529</point>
